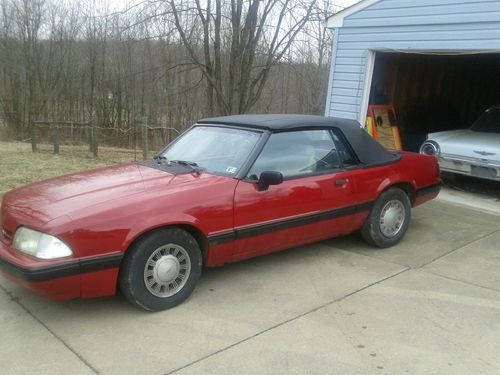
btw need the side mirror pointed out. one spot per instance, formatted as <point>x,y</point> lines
<point>268,178</point>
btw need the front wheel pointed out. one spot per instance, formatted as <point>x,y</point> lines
<point>389,219</point>
<point>161,269</point>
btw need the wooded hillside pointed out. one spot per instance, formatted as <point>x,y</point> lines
<point>171,61</point>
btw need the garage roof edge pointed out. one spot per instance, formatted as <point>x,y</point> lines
<point>337,20</point>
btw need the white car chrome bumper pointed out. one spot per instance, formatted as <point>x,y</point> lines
<point>482,168</point>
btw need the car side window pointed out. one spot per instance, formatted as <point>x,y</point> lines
<point>297,154</point>
<point>346,157</point>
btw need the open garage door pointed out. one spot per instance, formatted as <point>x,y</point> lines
<point>435,92</point>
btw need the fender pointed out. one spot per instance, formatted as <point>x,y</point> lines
<point>398,179</point>
<point>162,221</point>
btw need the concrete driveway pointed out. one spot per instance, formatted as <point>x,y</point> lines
<point>430,305</point>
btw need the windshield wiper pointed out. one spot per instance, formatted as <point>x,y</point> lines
<point>195,167</point>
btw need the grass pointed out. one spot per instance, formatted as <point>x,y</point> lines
<point>19,166</point>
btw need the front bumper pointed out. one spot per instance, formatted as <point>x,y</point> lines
<point>61,279</point>
<point>480,168</point>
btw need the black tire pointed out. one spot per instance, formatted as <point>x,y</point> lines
<point>372,231</point>
<point>163,244</point>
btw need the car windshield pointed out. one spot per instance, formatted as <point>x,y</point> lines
<point>488,122</point>
<point>213,149</point>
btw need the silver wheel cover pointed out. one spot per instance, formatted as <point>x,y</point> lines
<point>167,270</point>
<point>392,218</point>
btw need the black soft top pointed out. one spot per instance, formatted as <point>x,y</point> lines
<point>369,152</point>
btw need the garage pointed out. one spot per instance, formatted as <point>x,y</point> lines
<point>435,92</point>
<point>437,62</point>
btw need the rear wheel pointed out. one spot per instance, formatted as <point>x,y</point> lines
<point>161,269</point>
<point>389,219</point>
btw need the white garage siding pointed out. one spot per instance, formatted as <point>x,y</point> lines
<point>439,26</point>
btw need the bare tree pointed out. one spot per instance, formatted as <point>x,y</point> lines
<point>29,15</point>
<point>173,61</point>
<point>313,52</point>
<point>244,38</point>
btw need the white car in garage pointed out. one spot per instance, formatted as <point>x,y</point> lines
<point>473,152</point>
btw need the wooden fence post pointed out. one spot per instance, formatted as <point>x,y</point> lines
<point>55,135</point>
<point>93,132</point>
<point>92,137</point>
<point>89,127</point>
<point>145,146</point>
<point>33,137</point>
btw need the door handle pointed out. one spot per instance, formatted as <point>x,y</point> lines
<point>341,182</point>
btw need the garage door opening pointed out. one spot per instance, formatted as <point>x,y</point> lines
<point>433,92</point>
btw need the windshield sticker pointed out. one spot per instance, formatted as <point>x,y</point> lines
<point>231,170</point>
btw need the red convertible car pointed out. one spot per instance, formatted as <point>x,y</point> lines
<point>228,189</point>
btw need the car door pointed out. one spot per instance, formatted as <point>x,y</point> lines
<point>315,200</point>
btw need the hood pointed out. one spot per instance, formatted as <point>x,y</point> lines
<point>468,143</point>
<point>41,202</point>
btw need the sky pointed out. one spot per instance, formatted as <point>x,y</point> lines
<point>117,5</point>
<point>345,3</point>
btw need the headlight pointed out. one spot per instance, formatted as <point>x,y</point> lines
<point>430,148</point>
<point>40,245</point>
